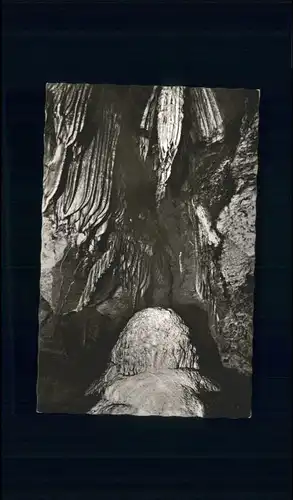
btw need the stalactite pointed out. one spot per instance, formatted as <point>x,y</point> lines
<point>169,123</point>
<point>83,199</point>
<point>204,238</point>
<point>69,112</point>
<point>135,268</point>
<point>210,234</point>
<point>208,123</point>
<point>97,208</point>
<point>52,175</point>
<point>96,272</point>
<point>90,203</point>
<point>146,125</point>
<point>79,190</point>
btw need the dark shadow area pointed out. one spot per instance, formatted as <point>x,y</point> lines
<point>234,400</point>
<point>64,376</point>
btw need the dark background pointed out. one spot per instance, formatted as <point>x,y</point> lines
<point>210,45</point>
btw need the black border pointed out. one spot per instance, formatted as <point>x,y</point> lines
<point>210,45</point>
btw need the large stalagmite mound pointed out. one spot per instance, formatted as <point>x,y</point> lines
<point>153,369</point>
<point>154,339</point>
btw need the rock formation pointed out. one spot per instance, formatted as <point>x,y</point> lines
<point>153,370</point>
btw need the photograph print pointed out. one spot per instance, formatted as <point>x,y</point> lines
<point>148,250</point>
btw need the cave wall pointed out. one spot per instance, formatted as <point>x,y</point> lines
<point>217,223</point>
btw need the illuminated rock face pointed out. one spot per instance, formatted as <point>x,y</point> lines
<point>170,116</point>
<point>208,123</point>
<point>153,369</point>
<point>166,393</point>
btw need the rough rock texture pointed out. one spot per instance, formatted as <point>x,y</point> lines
<point>154,338</point>
<point>220,248</point>
<point>53,247</point>
<point>165,393</point>
<point>245,163</point>
<point>153,369</point>
<point>237,221</point>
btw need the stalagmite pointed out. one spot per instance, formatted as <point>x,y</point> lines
<point>153,369</point>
